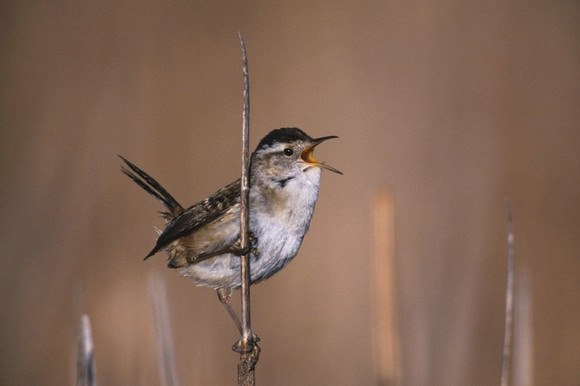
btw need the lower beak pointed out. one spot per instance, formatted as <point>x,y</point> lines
<point>308,157</point>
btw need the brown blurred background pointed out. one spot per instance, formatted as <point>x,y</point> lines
<point>450,106</point>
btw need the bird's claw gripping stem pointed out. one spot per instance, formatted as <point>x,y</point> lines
<point>248,347</point>
<point>236,248</point>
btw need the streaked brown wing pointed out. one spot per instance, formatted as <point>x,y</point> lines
<point>198,215</point>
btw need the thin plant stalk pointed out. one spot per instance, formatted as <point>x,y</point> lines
<point>249,351</point>
<point>245,198</point>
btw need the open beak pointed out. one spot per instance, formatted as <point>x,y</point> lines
<point>308,157</point>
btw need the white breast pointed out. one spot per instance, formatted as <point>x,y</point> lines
<point>279,229</point>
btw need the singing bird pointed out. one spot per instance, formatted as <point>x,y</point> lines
<point>202,240</point>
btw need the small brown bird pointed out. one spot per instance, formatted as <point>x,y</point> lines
<point>201,240</point>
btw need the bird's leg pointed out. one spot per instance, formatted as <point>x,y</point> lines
<point>234,249</point>
<point>242,346</point>
<point>224,295</point>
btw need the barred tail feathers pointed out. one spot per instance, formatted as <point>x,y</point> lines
<point>154,188</point>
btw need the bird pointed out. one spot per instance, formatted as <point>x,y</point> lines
<point>202,241</point>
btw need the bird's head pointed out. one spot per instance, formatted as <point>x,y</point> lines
<point>287,153</point>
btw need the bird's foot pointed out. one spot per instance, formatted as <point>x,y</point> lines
<point>253,239</point>
<point>253,243</point>
<point>236,248</point>
<point>248,347</point>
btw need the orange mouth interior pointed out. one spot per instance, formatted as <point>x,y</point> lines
<point>307,156</point>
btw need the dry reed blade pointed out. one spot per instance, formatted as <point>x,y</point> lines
<point>86,367</point>
<point>163,333</point>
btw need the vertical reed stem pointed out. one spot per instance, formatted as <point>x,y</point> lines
<point>248,357</point>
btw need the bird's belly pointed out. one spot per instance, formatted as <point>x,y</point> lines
<point>277,243</point>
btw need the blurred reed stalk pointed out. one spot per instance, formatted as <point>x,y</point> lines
<point>523,362</point>
<point>509,301</point>
<point>385,332</point>
<point>86,367</point>
<point>163,332</point>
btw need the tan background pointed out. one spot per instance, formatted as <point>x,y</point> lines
<point>451,105</point>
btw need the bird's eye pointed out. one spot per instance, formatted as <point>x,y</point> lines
<point>288,151</point>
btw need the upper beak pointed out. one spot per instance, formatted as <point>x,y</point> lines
<point>308,157</point>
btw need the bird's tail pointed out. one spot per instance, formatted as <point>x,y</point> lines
<point>154,188</point>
